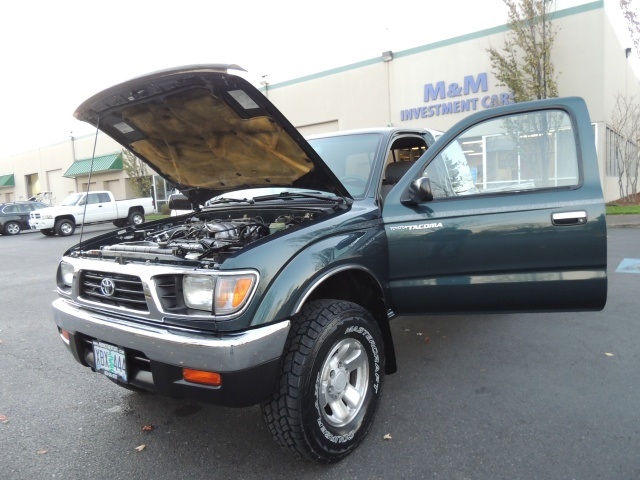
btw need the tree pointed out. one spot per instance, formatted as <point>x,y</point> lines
<point>632,22</point>
<point>625,123</point>
<point>136,169</point>
<point>524,65</point>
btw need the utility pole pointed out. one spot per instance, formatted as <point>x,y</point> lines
<point>73,155</point>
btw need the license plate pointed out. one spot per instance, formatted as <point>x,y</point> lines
<point>110,360</point>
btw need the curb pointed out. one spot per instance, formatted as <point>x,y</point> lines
<point>623,221</point>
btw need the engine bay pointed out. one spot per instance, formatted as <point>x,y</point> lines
<point>203,239</point>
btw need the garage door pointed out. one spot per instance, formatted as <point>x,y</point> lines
<point>55,185</point>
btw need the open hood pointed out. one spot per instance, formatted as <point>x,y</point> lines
<point>208,132</point>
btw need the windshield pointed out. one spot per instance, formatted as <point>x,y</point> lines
<point>71,200</point>
<point>350,158</point>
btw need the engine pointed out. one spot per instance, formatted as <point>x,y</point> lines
<point>203,239</point>
<point>200,240</point>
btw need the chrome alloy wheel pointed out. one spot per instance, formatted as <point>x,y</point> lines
<point>12,228</point>
<point>344,379</point>
<point>66,228</point>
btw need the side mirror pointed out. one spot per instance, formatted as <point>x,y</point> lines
<point>419,191</point>
<point>178,201</point>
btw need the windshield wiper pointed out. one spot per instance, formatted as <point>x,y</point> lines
<point>229,200</point>
<point>292,195</point>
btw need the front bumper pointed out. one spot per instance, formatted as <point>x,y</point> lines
<point>41,224</point>
<point>248,362</point>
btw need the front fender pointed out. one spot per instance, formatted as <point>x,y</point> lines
<point>361,249</point>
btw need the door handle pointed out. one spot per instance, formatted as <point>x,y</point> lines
<point>569,218</point>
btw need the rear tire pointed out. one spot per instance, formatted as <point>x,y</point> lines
<point>65,227</point>
<point>12,228</point>
<point>330,383</point>
<point>135,218</point>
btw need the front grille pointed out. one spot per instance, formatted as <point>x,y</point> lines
<point>121,291</point>
<point>169,288</point>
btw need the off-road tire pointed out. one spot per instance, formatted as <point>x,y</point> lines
<point>330,384</point>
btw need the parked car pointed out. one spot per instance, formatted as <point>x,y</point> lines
<point>14,217</point>
<point>94,207</point>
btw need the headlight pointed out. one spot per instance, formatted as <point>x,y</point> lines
<point>66,273</point>
<point>47,217</point>
<point>221,295</point>
<point>198,291</point>
<point>232,293</point>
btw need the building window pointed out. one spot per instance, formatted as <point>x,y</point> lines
<point>618,152</point>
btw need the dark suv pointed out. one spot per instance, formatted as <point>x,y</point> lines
<point>14,217</point>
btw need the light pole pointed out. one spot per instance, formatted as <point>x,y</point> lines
<point>73,155</point>
<point>387,57</point>
<point>265,83</point>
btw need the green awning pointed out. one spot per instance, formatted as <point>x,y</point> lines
<point>7,181</point>
<point>101,164</point>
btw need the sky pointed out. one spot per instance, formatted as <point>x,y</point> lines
<point>55,54</point>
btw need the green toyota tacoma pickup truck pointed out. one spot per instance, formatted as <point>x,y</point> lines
<point>280,289</point>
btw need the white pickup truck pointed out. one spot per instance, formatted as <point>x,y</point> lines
<point>87,208</point>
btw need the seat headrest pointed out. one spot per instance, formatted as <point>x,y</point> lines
<point>396,170</point>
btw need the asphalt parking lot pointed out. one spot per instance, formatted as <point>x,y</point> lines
<point>534,396</point>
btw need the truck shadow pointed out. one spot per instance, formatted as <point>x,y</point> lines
<point>472,381</point>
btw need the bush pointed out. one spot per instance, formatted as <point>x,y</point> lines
<point>164,209</point>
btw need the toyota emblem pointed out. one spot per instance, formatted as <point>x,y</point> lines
<point>108,287</point>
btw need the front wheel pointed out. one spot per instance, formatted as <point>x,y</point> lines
<point>330,384</point>
<point>65,227</point>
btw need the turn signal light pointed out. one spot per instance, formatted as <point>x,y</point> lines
<point>200,376</point>
<point>232,292</point>
<point>64,335</point>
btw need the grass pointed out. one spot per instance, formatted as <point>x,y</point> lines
<point>154,216</point>
<point>616,209</point>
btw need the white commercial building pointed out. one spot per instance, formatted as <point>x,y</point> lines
<point>431,86</point>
